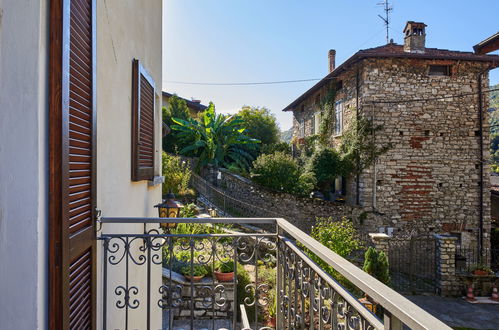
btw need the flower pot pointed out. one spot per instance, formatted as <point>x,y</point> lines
<point>272,322</point>
<point>224,277</point>
<point>193,278</point>
<point>480,272</point>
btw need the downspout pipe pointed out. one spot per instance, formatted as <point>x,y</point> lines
<point>481,158</point>
<point>480,118</point>
<point>357,116</point>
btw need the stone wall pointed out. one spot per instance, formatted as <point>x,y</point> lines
<point>302,212</point>
<point>430,180</point>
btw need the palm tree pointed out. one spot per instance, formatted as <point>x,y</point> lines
<point>217,139</point>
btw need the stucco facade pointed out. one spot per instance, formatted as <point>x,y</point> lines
<point>125,30</point>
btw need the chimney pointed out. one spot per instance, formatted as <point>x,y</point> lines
<point>414,40</point>
<point>332,57</point>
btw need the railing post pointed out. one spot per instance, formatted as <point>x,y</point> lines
<point>380,241</point>
<point>280,264</point>
<point>446,265</point>
<point>391,322</point>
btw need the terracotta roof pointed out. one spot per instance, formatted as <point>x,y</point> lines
<point>395,50</point>
<point>191,104</point>
<point>488,45</point>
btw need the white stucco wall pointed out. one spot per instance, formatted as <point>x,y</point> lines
<point>23,164</point>
<point>126,29</point>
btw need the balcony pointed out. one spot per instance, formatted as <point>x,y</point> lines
<point>275,275</point>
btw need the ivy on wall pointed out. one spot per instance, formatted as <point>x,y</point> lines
<point>328,118</point>
<point>358,147</point>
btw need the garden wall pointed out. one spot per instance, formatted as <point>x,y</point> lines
<point>258,201</point>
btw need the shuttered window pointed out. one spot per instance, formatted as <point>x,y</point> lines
<point>143,152</point>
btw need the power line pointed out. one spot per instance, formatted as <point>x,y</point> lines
<point>243,83</point>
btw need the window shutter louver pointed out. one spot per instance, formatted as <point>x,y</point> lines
<point>72,164</point>
<point>143,123</point>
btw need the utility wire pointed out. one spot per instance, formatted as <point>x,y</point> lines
<point>243,83</point>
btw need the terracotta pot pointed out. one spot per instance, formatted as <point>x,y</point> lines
<point>480,272</point>
<point>224,277</point>
<point>272,322</point>
<point>193,278</point>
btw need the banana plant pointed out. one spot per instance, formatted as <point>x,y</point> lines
<point>217,139</point>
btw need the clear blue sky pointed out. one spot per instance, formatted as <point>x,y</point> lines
<point>269,40</point>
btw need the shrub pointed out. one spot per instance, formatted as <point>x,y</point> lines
<point>276,147</point>
<point>188,211</point>
<point>306,183</point>
<point>376,264</point>
<point>195,270</point>
<point>177,175</point>
<point>276,171</point>
<point>326,166</point>
<point>341,237</point>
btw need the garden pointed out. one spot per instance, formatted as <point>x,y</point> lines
<point>218,262</point>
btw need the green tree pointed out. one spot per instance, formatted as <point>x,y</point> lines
<point>260,124</point>
<point>376,264</point>
<point>216,139</point>
<point>177,108</point>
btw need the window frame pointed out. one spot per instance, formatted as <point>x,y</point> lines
<point>140,173</point>
<point>338,118</point>
<point>447,72</point>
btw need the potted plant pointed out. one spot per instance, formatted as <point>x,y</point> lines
<point>481,270</point>
<point>194,273</point>
<point>272,309</point>
<point>225,271</point>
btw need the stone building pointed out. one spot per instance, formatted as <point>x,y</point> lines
<point>435,176</point>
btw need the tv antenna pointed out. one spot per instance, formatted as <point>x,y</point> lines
<point>387,8</point>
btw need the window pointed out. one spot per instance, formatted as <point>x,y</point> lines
<point>143,119</point>
<point>301,127</point>
<point>317,122</point>
<point>439,70</point>
<point>338,112</point>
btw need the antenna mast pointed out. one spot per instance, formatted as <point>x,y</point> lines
<point>387,8</point>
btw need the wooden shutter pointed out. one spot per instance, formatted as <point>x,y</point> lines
<point>142,123</point>
<point>72,164</point>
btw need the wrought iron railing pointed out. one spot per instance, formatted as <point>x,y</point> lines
<point>274,276</point>
<point>469,258</point>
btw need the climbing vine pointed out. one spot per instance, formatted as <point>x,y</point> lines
<point>328,118</point>
<point>358,148</point>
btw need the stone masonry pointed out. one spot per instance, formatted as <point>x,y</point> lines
<point>429,181</point>
<point>447,283</point>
